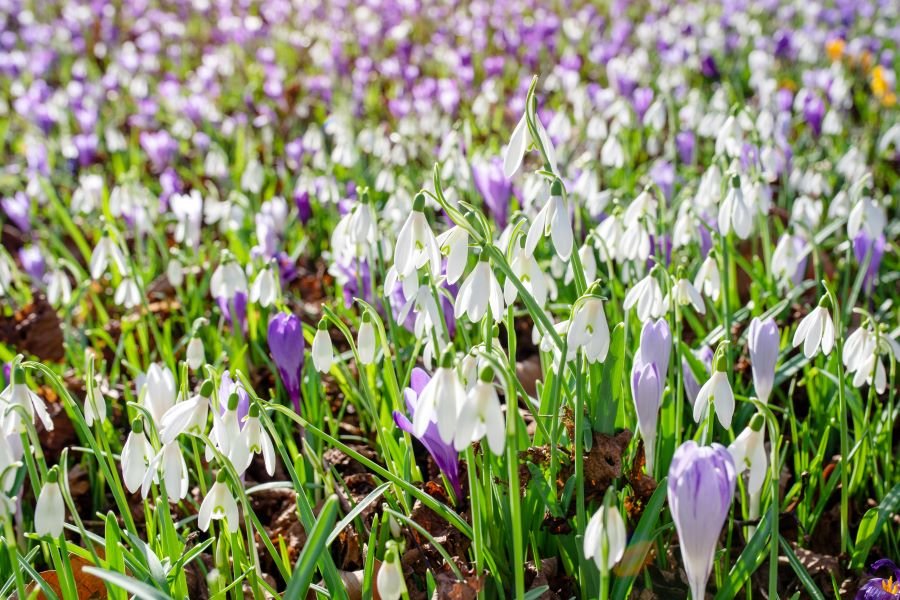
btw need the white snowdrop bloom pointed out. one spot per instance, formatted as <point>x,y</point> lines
<point>128,295</point>
<point>588,328</point>
<point>186,416</point>
<point>88,195</point>
<point>872,372</point>
<point>322,350</point>
<point>890,139</point>
<point>655,117</point>
<point>253,440</point>
<point>365,340</point>
<point>519,142</point>
<point>17,398</point>
<point>815,330</point>
<point>605,538</point>
<point>710,189</point>
<point>252,177</point>
<point>634,243</point>
<point>831,124</point>
<point>480,290</point>
<point>481,416</point>
<point>440,401</point>
<point>454,244</point>
<point>857,348</point>
<point>357,231</point>
<point>708,279</point>
<point>553,220</point>
<point>806,212</point>
<point>59,289</point>
<point>416,245</point>
<point>11,453</point>
<point>50,510</point>
<point>265,287</point>
<point>588,265</point>
<point>225,430</point>
<point>170,461</point>
<point>647,296</point>
<point>215,165</point>
<point>608,236</point>
<point>105,251</point>
<point>94,407</point>
<point>867,216</point>
<point>228,280</point>
<point>530,274</point>
<point>729,140</point>
<point>749,453</point>
<point>787,257</point>
<point>195,355</point>
<point>612,154</point>
<point>218,504</point>
<point>735,212</point>
<point>716,390</point>
<point>156,390</point>
<point>390,582</point>
<point>685,293</point>
<point>188,210</point>
<point>7,269</point>
<point>136,456</point>
<point>175,272</point>
<point>863,352</point>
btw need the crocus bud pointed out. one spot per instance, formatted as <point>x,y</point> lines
<point>322,352</point>
<point>763,339</point>
<point>365,341</point>
<point>701,488</point>
<point>646,389</point>
<point>50,510</point>
<point>285,337</point>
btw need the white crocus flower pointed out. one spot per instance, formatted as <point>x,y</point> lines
<point>647,296</point>
<point>195,355</point>
<point>365,340</point>
<point>718,391</point>
<point>17,394</point>
<point>815,330</point>
<point>186,416</point>
<point>416,245</point>
<point>477,292</point>
<point>707,279</point>
<point>322,351</point>
<point>735,213</point>
<point>50,510</point>
<point>519,142</point>
<point>588,328</point>
<point>481,416</point>
<point>553,220</point>
<point>440,401</point>
<point>157,390</point>
<point>265,287</point>
<point>219,504</point>
<point>128,295</point>
<point>605,538</point>
<point>454,243</point>
<point>136,456</point>
<point>685,293</point>
<point>105,251</point>
<point>530,274</point>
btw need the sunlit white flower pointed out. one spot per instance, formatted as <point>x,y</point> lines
<point>390,582</point>
<point>219,504</point>
<point>228,280</point>
<point>588,328</point>
<point>707,279</point>
<point>685,293</point>
<point>94,407</point>
<point>647,296</point>
<point>365,340</point>
<point>128,295</point>
<point>518,143</point>
<point>454,243</point>
<point>156,390</point>
<point>440,401</point>
<point>136,456</point>
<point>416,245</point>
<point>736,213</point>
<point>867,216</point>
<point>749,452</point>
<point>50,510</point>
<point>195,354</point>
<point>226,429</point>
<point>612,154</point>
<point>88,195</point>
<point>553,220</point>
<point>530,274</point>
<point>716,390</point>
<point>815,330</point>
<point>186,416</point>
<point>588,265</point>
<point>188,210</point>
<point>479,291</point>
<point>252,177</point>
<point>265,287</point>
<point>481,416</point>
<point>175,272</point>
<point>605,538</point>
<point>170,461</point>
<point>59,289</point>
<point>105,251</point>
<point>254,439</point>
<point>18,398</point>
<point>786,258</point>
<point>322,350</point>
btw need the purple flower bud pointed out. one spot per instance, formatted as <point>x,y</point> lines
<point>864,245</point>
<point>444,455</point>
<point>879,588</point>
<point>646,390</point>
<point>814,113</point>
<point>494,188</point>
<point>641,100</point>
<point>18,209</point>
<point>304,207</point>
<point>285,337</point>
<point>160,148</point>
<point>763,339</point>
<point>701,488</point>
<point>708,67</point>
<point>663,174</point>
<point>655,348</point>
<point>32,262</point>
<point>234,309</point>
<point>685,142</point>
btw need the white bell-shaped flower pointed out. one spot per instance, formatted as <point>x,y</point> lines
<point>18,398</point>
<point>749,453</point>
<point>94,407</point>
<point>390,582</point>
<point>454,243</point>
<point>440,401</point>
<point>265,287</point>
<point>105,251</point>
<point>735,212</point>
<point>219,504</point>
<point>365,340</point>
<point>716,390</point>
<point>187,416</point>
<point>816,330</point>
<point>136,456</point>
<point>481,416</point>
<point>588,328</point>
<point>646,295</point>
<point>480,290</point>
<point>195,354</point>
<point>50,510</point>
<point>322,350</point>
<point>708,279</point>
<point>253,440</point>
<point>605,538</point>
<point>685,293</point>
<point>519,142</point>
<point>157,390</point>
<point>529,272</point>
<point>553,220</point>
<point>416,245</point>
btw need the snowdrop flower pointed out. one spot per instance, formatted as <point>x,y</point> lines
<point>789,259</point>
<point>416,245</point>
<point>252,177</point>
<point>188,210</point>
<point>867,216</point>
<point>89,194</point>
<point>481,416</point>
<point>253,440</point>
<point>322,351</point>
<point>105,251</point>
<point>219,504</point>
<point>265,287</point>
<point>612,154</point>
<point>390,582</point>
<point>735,213</point>
<point>718,391</point>
<point>175,272</point>
<point>228,282</point>
<point>608,235</point>
<point>763,339</point>
<point>357,231</point>
<point>454,243</point>
<point>17,398</point>
<point>365,340</point>
<point>685,293</point>
<point>708,279</point>
<point>11,453</point>
<point>187,416</point>
<point>701,488</point>
<point>94,407</point>
<point>156,390</point>
<point>530,274</point>
<point>605,538</point>
<point>588,328</point>
<point>519,142</point>
<point>647,296</point>
<point>815,330</point>
<point>195,355</point>
<point>59,289</point>
<point>441,400</point>
<point>862,356</point>
<point>50,510</point>
<point>128,295</point>
<point>749,453</point>
<point>170,461</point>
<point>477,292</point>
<point>226,428</point>
<point>553,220</point>
<point>588,265</point>
<point>136,456</point>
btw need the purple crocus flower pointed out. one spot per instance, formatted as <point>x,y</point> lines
<point>160,148</point>
<point>18,210</point>
<point>814,113</point>
<point>494,188</point>
<point>646,390</point>
<point>701,488</point>
<point>228,386</point>
<point>301,199</point>
<point>879,588</point>
<point>285,337</point>
<point>663,174</point>
<point>444,455</point>
<point>234,309</point>
<point>655,348</point>
<point>641,100</point>
<point>685,142</point>
<point>863,245</point>
<point>708,67</point>
<point>691,385</point>
<point>763,339</point>
<point>32,262</point>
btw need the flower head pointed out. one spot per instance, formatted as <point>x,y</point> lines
<point>763,339</point>
<point>285,337</point>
